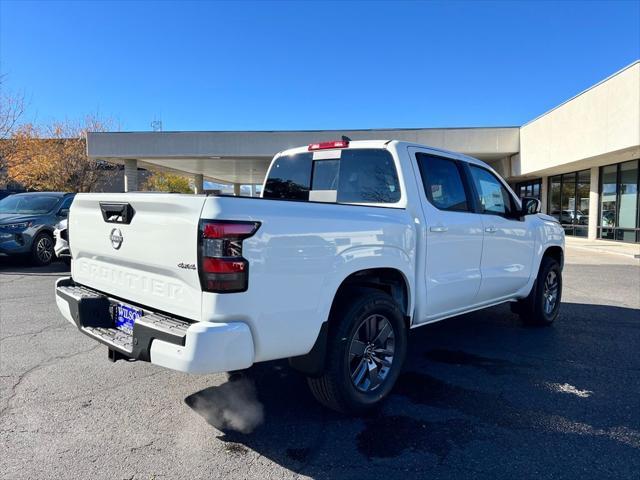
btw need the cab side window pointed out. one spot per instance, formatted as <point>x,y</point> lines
<point>443,184</point>
<point>493,197</point>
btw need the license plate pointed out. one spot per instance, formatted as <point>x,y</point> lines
<point>125,317</point>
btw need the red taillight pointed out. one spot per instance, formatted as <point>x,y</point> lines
<point>229,230</point>
<point>326,145</point>
<point>222,267</point>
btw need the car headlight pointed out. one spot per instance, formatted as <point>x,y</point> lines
<point>17,226</point>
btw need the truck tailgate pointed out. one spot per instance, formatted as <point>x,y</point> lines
<point>149,259</point>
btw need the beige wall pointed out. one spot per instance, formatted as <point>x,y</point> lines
<point>595,123</point>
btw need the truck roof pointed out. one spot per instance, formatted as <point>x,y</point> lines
<point>382,144</point>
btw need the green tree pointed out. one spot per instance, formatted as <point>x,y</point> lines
<point>167,182</point>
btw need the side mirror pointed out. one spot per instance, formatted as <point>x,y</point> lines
<point>531,206</point>
<point>63,212</point>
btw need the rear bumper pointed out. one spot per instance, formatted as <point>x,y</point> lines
<point>200,347</point>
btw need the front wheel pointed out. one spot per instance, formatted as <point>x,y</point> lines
<point>542,305</point>
<point>365,352</point>
<point>42,249</point>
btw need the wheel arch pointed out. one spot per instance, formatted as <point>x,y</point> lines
<point>555,252</point>
<point>43,229</point>
<point>390,280</point>
<point>48,229</point>
<point>387,279</point>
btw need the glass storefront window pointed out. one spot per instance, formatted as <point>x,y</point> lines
<point>569,201</point>
<point>530,188</point>
<point>583,187</point>
<point>619,212</point>
<point>628,210</point>
<point>554,191</point>
<point>608,196</point>
<point>628,194</point>
<point>536,190</point>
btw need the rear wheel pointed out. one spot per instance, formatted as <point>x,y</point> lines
<point>542,305</point>
<point>365,353</point>
<point>42,249</point>
<point>235,375</point>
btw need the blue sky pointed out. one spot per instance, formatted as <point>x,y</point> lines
<point>288,65</point>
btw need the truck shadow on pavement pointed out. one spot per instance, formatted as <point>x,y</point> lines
<point>480,395</point>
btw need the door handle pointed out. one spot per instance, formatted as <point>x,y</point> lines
<point>439,229</point>
<point>491,229</point>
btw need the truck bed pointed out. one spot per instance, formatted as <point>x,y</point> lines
<point>300,254</point>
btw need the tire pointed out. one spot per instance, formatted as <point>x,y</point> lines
<point>542,305</point>
<point>235,375</point>
<point>42,252</point>
<point>366,348</point>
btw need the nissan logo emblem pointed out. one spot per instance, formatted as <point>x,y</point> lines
<point>116,238</point>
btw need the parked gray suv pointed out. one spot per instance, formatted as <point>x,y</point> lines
<point>27,221</point>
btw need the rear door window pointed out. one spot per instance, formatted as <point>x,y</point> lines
<point>443,184</point>
<point>342,176</point>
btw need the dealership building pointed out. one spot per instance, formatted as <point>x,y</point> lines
<point>581,159</point>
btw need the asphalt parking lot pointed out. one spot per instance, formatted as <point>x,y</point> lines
<point>481,397</point>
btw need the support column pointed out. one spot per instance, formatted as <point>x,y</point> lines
<point>544,194</point>
<point>594,203</point>
<point>198,183</point>
<point>130,175</point>
<point>236,189</point>
<point>253,190</point>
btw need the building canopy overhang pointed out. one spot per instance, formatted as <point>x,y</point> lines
<point>243,157</point>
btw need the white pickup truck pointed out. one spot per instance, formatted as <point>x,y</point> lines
<point>351,245</point>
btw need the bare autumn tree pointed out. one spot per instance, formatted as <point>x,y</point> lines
<point>55,157</point>
<point>11,109</point>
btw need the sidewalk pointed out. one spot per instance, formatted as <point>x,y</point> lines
<point>631,250</point>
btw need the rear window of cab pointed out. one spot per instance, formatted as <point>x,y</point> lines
<point>335,176</point>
